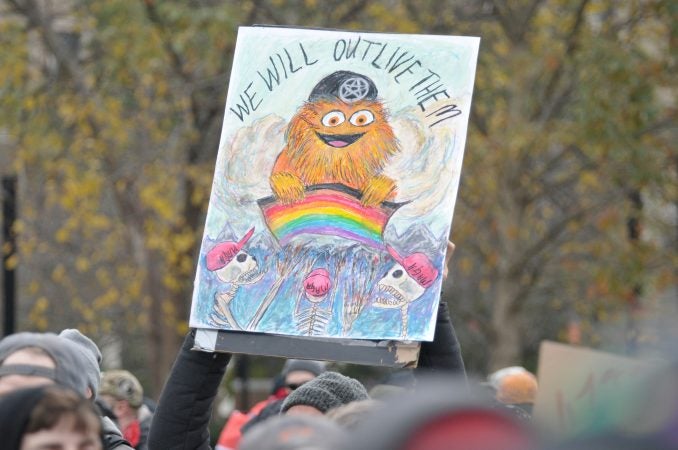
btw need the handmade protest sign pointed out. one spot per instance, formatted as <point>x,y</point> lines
<point>335,184</point>
<point>582,390</point>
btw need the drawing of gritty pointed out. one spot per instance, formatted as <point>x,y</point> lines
<point>340,135</point>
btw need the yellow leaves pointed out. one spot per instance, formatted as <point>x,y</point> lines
<point>62,235</point>
<point>12,262</point>
<point>38,314</point>
<point>59,273</point>
<point>82,264</point>
<point>155,196</point>
<point>106,300</point>
<point>182,327</point>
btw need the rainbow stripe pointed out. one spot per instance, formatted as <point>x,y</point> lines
<point>330,210</point>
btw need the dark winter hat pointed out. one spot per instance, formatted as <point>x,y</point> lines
<point>88,354</point>
<point>326,391</point>
<point>315,367</point>
<point>68,371</point>
<point>348,87</point>
<point>293,433</point>
<point>15,411</point>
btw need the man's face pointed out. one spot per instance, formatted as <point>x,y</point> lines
<point>9,383</point>
<point>62,436</point>
<point>296,378</point>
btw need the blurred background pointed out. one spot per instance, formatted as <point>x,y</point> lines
<point>566,224</point>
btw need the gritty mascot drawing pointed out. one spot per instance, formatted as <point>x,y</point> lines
<point>340,135</point>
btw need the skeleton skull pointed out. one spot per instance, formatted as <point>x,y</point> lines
<point>242,269</point>
<point>397,289</point>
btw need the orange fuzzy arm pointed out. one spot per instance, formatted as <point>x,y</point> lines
<point>377,189</point>
<point>286,185</point>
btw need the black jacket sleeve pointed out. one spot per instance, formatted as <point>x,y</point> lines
<point>443,354</point>
<point>182,417</point>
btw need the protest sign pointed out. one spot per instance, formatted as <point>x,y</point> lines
<point>583,390</point>
<point>335,183</point>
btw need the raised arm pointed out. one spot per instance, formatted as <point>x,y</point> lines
<point>182,417</point>
<point>443,354</point>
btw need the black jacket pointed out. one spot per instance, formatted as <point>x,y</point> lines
<point>181,420</point>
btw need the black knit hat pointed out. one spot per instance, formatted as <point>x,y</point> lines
<point>348,87</point>
<point>327,391</point>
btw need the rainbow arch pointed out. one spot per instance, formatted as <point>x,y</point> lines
<point>330,210</point>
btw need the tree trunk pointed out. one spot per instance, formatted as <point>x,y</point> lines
<point>507,342</point>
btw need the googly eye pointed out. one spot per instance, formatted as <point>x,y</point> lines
<point>333,118</point>
<point>362,118</point>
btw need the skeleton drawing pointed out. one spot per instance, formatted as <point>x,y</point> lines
<point>404,283</point>
<point>235,267</point>
<point>313,321</point>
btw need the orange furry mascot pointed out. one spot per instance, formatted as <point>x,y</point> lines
<point>340,135</point>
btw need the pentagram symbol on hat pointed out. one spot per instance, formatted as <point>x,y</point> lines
<point>354,89</point>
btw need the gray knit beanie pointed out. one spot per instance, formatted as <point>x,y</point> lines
<point>89,356</point>
<point>326,391</point>
<point>68,371</point>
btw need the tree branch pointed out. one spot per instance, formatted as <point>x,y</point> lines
<point>572,44</point>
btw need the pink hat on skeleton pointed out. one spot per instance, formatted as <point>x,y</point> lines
<point>318,283</point>
<point>418,266</point>
<point>224,252</point>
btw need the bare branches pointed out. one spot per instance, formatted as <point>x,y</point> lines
<point>173,53</point>
<point>550,98</point>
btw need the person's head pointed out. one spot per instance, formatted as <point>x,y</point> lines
<point>439,414</point>
<point>514,386</point>
<point>122,392</point>
<point>34,359</point>
<point>299,371</point>
<point>328,390</point>
<point>48,417</point>
<point>89,358</point>
<point>351,415</point>
<point>293,433</point>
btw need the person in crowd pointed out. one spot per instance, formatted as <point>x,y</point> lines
<point>351,415</point>
<point>440,413</point>
<point>48,417</point>
<point>515,387</point>
<point>295,372</point>
<point>69,359</point>
<point>327,391</point>
<point>124,395</point>
<point>182,417</point>
<point>294,433</point>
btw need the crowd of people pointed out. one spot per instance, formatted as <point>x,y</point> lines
<point>53,396</point>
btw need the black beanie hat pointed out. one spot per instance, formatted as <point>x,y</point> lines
<point>326,391</point>
<point>15,411</point>
<point>348,87</point>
